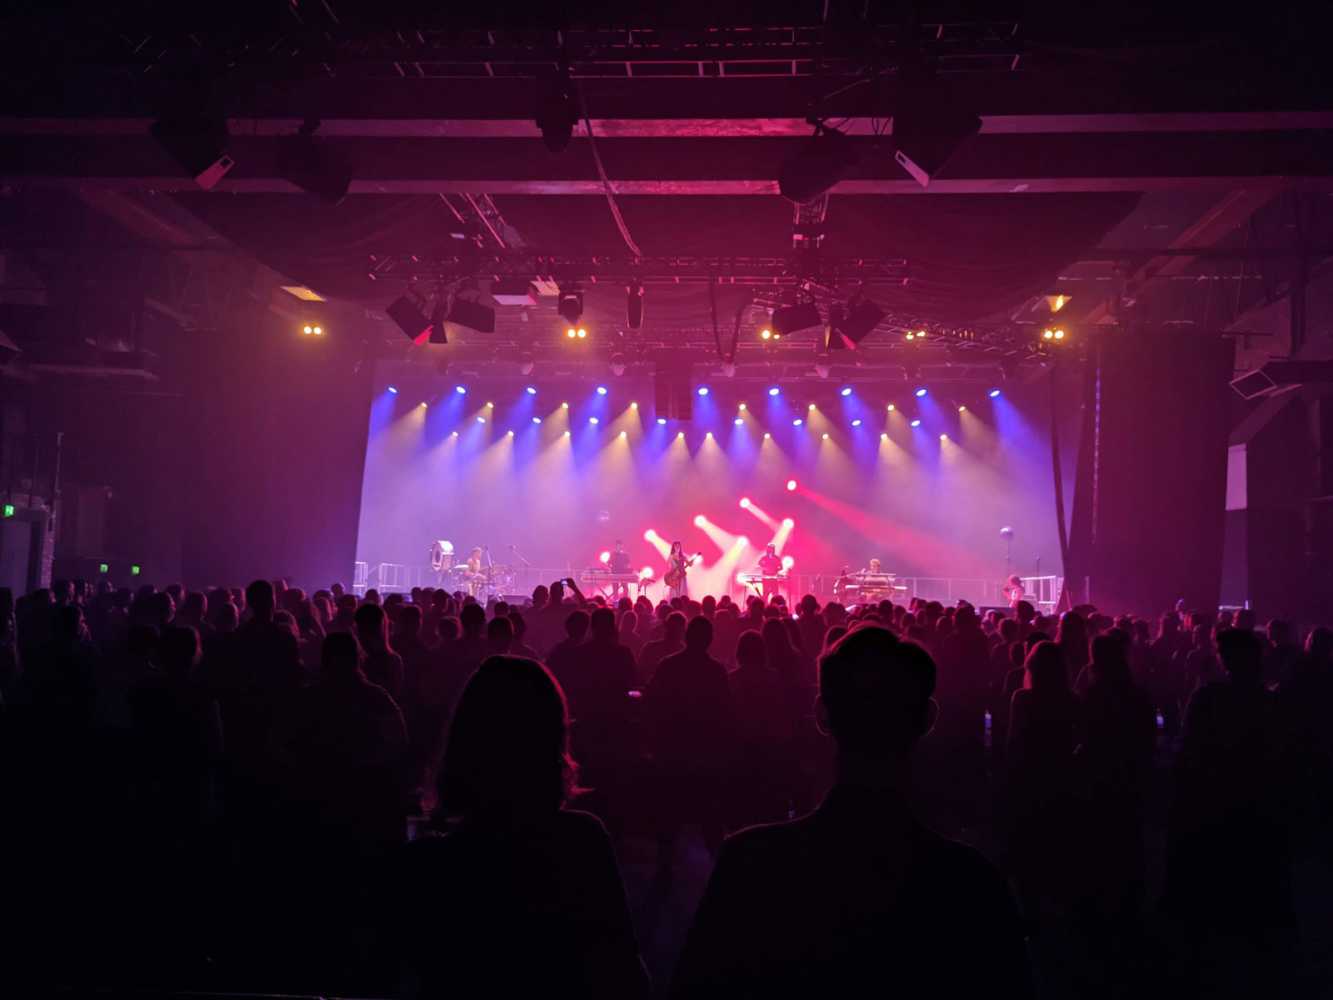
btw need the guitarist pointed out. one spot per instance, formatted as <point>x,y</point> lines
<point>678,566</point>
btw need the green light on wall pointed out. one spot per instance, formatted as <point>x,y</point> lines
<point>134,571</point>
<point>9,510</point>
<point>103,568</point>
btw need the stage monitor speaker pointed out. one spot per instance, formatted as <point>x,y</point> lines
<point>672,394</point>
<point>410,319</point>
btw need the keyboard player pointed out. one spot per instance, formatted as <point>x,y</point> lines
<point>770,565</point>
<point>619,565</point>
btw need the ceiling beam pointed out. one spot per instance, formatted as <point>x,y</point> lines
<point>681,128</point>
<point>993,163</point>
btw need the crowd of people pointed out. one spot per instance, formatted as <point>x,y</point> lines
<point>421,793</point>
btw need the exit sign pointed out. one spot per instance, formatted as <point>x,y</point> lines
<point>9,510</point>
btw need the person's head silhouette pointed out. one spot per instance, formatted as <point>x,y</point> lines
<point>1110,660</point>
<point>259,600</point>
<point>372,627</point>
<point>876,696</point>
<point>1242,655</point>
<point>508,750</point>
<point>602,625</point>
<point>576,626</point>
<point>1044,668</point>
<point>473,619</point>
<point>500,634</point>
<point>699,635</point>
<point>340,657</point>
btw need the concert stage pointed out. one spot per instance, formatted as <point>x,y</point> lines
<point>545,475</point>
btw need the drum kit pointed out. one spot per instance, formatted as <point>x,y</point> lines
<point>455,575</point>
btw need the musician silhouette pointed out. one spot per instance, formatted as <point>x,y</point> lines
<point>678,566</point>
<point>770,565</point>
<point>619,565</point>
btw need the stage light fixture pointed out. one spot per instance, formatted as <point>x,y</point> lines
<point>774,390</point>
<point>824,436</point>
<point>646,573</point>
<point>883,435</point>
<point>649,535</point>
<point>469,313</point>
<point>1053,334</point>
<point>994,394</point>
<point>962,408</point>
<point>944,437</point>
<point>581,333</point>
<point>536,420</point>
<point>526,364</point>
<point>792,319</point>
<point>739,421</point>
<point>604,558</point>
<point>811,407</point>
<point>742,407</point>
<point>700,521</point>
<point>566,433</point>
<point>601,390</point>
<point>558,111</point>
<point>510,433</point>
<point>797,422</point>
<point>856,422</point>
<point>313,330</point>
<point>891,407</point>
<point>393,389</point>
<point>461,390</point>
<point>745,503</point>
<point>197,139</point>
<point>564,406</point>
<point>855,322</point>
<point>920,392</point>
<point>634,305</point>
<point>618,364</point>
<point>454,434</point>
<point>661,421</point>
<point>788,523</point>
<point>846,390</point>
<point>916,422</point>
<point>824,159</point>
<point>624,434</point>
<point>929,123</point>
<point>791,485</point>
<point>822,368</point>
<point>680,435</point>
<point>312,165</point>
<point>788,562</point>
<point>765,334</point>
<point>489,404</point>
<point>569,304</point>
<point>633,406</point>
<point>406,312</point>
<point>767,436</point>
<point>594,421</point>
<point>481,420</point>
<point>423,404</point>
<point>743,542</point>
<point>531,390</point>
<point>708,434</point>
<point>703,390</point>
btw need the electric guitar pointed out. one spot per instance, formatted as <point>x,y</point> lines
<point>675,576</point>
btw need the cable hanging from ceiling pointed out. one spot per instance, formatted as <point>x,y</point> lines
<point>606,181</point>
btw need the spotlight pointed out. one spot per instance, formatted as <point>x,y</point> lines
<point>489,404</point>
<point>624,433</point>
<point>920,392</point>
<point>601,390</point>
<point>825,158</point>
<point>846,391</point>
<point>793,319</point>
<point>566,433</point>
<point>313,330</point>
<point>884,435</point>
<point>700,521</point>
<point>797,422</point>
<point>558,112</point>
<point>994,394</point>
<point>856,422</point>
<point>767,436</point>
<point>406,312</point>
<point>564,406</point>
<point>511,434</point>
<point>461,390</point>
<point>581,333</point>
<point>531,390</point>
<point>594,421</point>
<point>454,434</point>
<point>742,542</point>
<point>745,503</point>
<point>646,573</point>
<point>571,333</point>
<point>536,420</point>
<point>765,334</point>
<point>703,390</point>
<point>633,406</point>
<point>788,523</point>
<point>709,435</point>
<point>891,407</point>
<point>916,422</point>
<point>824,436</point>
<point>962,408</point>
<point>774,390</point>
<point>634,305</point>
<point>423,404</point>
<point>604,558</point>
<point>481,420</point>
<point>1055,334</point>
<point>649,535</point>
<point>788,562</point>
<point>811,407</point>
<point>740,421</point>
<point>791,485</point>
<point>680,435</point>
<point>944,437</point>
<point>661,421</point>
<point>569,304</point>
<point>742,407</point>
<point>393,389</point>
